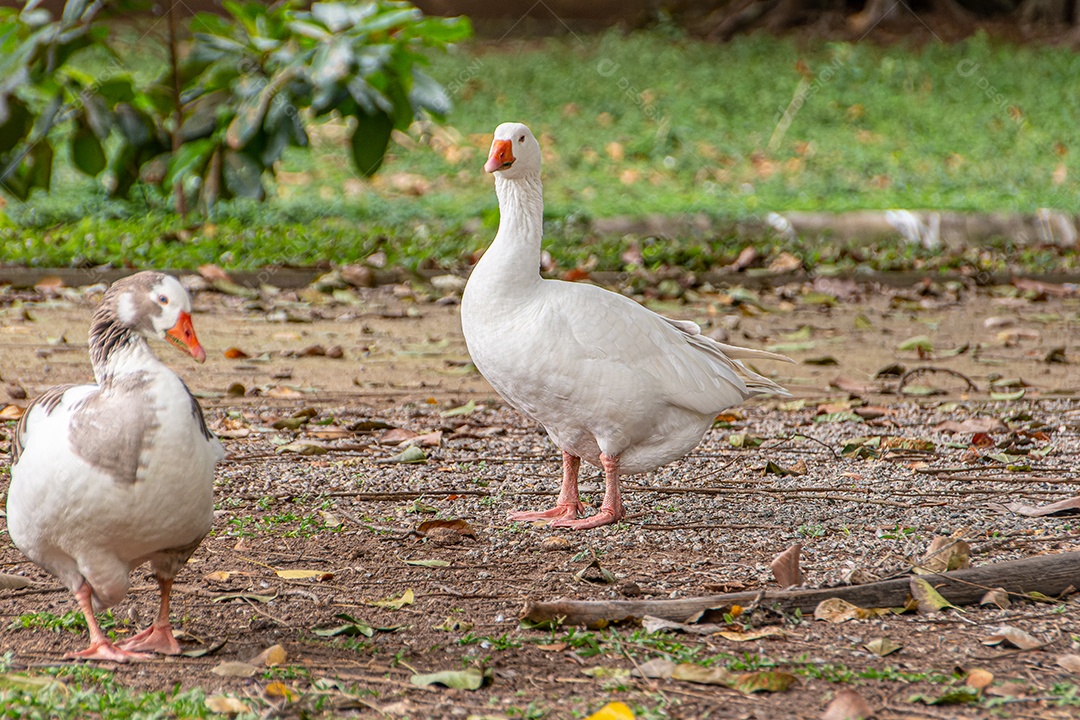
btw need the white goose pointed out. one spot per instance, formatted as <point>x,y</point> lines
<point>108,476</point>
<point>612,382</point>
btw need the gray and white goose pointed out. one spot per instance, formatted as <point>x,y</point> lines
<point>612,382</point>
<point>111,475</point>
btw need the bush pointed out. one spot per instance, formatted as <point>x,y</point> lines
<point>220,116</point>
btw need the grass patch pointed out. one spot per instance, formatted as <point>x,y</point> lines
<point>633,125</point>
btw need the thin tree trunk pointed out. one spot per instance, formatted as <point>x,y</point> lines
<point>178,114</point>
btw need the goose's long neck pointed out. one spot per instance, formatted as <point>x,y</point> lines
<point>117,350</point>
<point>516,248</point>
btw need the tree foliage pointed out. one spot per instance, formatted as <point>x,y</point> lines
<point>218,119</point>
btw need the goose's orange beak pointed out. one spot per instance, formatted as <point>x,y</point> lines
<point>501,157</point>
<point>182,335</point>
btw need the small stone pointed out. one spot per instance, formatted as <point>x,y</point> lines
<point>236,389</point>
<point>630,589</point>
<point>16,392</point>
<point>335,352</point>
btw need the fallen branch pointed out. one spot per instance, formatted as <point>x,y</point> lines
<point>1050,575</point>
<point>933,369</point>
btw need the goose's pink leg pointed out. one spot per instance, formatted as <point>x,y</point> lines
<point>611,510</point>
<point>158,637</point>
<point>101,648</point>
<point>568,505</point>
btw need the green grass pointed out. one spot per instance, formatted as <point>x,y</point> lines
<point>633,125</point>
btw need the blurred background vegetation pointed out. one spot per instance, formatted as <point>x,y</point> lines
<point>342,130</point>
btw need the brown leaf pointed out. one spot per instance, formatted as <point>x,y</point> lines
<point>997,596</point>
<point>14,582</point>
<point>944,554</point>
<point>461,527</point>
<point>396,436</point>
<point>835,610</point>
<point>1070,662</point>
<point>690,672</point>
<point>235,669</point>
<point>1061,507</point>
<point>785,567</point>
<point>1016,637</point>
<point>979,679</point>
<point>235,353</point>
<point>211,273</point>
<point>847,705</point>
<point>769,631</point>
<point>882,646</point>
<point>764,681</point>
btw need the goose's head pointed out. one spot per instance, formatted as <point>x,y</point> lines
<point>153,303</point>
<point>514,152</point>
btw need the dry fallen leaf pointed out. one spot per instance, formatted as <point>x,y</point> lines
<point>882,646</point>
<point>769,631</point>
<point>226,705</point>
<point>14,582</point>
<point>785,567</point>
<point>1070,663</point>
<point>322,575</point>
<point>997,596</point>
<point>232,668</point>
<point>278,689</point>
<point>406,598</point>
<point>848,705</point>
<point>944,554</point>
<point>979,678</point>
<point>235,353</point>
<point>11,412</point>
<point>1061,507</point>
<point>270,657</point>
<point>1016,637</point>
<point>835,610</point>
<point>461,527</point>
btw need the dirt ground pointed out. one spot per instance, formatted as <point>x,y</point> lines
<point>322,493</point>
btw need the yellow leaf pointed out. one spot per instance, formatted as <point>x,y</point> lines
<point>279,689</point>
<point>299,574</point>
<point>226,705</point>
<point>395,603</point>
<point>218,576</point>
<point>760,633</point>
<point>270,657</point>
<point>613,711</point>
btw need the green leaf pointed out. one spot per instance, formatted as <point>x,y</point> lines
<point>764,681</point>
<point>243,175</point>
<point>930,600</point>
<point>467,409</point>
<point>352,626</point>
<point>190,159</point>
<point>428,563</point>
<point>428,94</point>
<point>86,151</point>
<point>919,342</point>
<point>73,11</point>
<point>15,126</point>
<point>471,679</point>
<point>370,140</point>
<point>411,454</point>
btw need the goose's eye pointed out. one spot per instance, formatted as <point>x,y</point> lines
<point>521,139</point>
<point>163,299</point>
